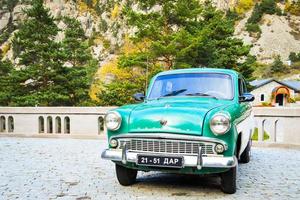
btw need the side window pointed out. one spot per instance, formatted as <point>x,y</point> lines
<point>242,86</point>
<point>241,90</point>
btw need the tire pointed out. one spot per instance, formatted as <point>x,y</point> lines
<point>245,157</point>
<point>125,175</point>
<point>228,181</point>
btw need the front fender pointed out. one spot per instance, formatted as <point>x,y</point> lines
<point>230,138</point>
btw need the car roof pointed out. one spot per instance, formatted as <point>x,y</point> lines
<point>199,70</point>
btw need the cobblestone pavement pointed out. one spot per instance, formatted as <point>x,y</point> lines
<point>35,168</point>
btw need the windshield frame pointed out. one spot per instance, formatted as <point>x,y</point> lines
<point>153,81</point>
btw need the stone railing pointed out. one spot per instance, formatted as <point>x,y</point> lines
<point>53,121</point>
<point>281,123</point>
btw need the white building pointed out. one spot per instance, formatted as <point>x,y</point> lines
<point>273,92</point>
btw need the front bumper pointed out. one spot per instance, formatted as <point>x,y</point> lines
<point>198,161</point>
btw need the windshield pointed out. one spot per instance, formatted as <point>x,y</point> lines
<point>211,85</point>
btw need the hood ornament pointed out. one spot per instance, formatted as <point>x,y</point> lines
<point>163,122</point>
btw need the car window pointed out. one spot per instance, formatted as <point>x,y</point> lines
<point>240,87</point>
<point>193,84</point>
<point>244,86</point>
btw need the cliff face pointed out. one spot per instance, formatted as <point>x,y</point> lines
<point>104,26</point>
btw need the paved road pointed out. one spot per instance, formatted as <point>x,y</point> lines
<point>35,168</point>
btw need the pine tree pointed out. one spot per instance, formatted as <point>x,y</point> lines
<point>277,66</point>
<point>6,68</point>
<point>178,34</point>
<point>77,53</point>
<point>74,44</point>
<point>44,78</point>
<point>185,34</point>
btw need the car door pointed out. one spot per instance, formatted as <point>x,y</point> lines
<point>245,124</point>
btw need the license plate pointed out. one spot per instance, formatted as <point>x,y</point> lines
<point>160,161</point>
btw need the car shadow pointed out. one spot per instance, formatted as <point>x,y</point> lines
<point>179,184</point>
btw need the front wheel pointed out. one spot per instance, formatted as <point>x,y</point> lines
<point>228,181</point>
<point>125,175</point>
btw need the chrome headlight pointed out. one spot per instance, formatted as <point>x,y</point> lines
<point>220,124</point>
<point>113,120</point>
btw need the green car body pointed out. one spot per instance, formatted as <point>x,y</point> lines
<point>186,119</point>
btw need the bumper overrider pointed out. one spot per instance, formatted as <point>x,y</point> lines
<point>198,160</point>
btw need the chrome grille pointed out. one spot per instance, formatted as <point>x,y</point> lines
<point>166,146</point>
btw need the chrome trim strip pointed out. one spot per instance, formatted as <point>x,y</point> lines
<point>124,154</point>
<point>199,159</point>
<point>189,160</point>
<point>170,136</point>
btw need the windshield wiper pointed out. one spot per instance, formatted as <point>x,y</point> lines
<point>201,94</point>
<point>175,92</point>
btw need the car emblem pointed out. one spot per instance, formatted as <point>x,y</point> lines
<point>163,122</point>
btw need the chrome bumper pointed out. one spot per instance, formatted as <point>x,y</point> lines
<point>199,161</point>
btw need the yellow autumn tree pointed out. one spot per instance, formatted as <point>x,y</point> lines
<point>243,6</point>
<point>115,12</point>
<point>111,72</point>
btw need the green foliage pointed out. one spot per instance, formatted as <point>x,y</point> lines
<point>9,6</point>
<point>296,67</point>
<point>89,3</point>
<point>247,67</point>
<point>182,34</point>
<point>103,26</point>
<point>297,98</point>
<point>253,28</point>
<point>76,49</point>
<point>196,41</point>
<point>6,68</point>
<point>256,15</point>
<point>4,36</point>
<point>268,7</point>
<point>44,78</point>
<point>264,7</point>
<point>232,15</point>
<point>119,93</point>
<point>277,66</point>
<point>255,135</point>
<point>291,100</point>
<point>294,57</point>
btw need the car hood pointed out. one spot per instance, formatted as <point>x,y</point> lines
<point>171,116</point>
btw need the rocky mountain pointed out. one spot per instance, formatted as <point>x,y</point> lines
<point>104,25</point>
<point>280,35</point>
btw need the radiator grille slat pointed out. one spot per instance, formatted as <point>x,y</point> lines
<point>166,146</point>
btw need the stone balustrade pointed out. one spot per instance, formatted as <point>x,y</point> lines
<point>47,121</point>
<point>282,124</point>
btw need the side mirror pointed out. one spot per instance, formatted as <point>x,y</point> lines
<point>246,97</point>
<point>139,96</point>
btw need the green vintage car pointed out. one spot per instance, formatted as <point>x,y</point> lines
<point>191,121</point>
